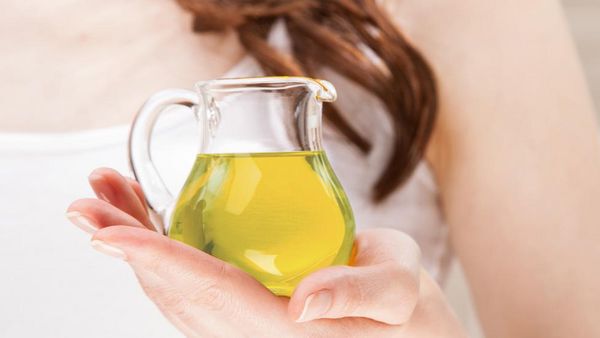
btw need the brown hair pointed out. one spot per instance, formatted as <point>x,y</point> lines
<point>331,34</point>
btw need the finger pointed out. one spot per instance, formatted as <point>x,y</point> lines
<point>138,191</point>
<point>152,216</point>
<point>91,214</point>
<point>112,187</point>
<point>182,280</point>
<point>384,286</point>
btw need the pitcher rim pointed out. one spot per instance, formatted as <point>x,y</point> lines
<point>323,89</point>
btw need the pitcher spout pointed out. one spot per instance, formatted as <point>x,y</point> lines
<point>327,92</point>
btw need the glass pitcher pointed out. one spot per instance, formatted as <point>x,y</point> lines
<point>261,195</point>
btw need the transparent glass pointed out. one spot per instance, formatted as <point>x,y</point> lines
<point>261,195</point>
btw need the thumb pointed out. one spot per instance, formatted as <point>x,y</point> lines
<point>384,286</point>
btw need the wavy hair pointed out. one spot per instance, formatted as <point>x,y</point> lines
<point>338,34</point>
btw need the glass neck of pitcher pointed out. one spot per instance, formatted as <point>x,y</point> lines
<point>262,115</point>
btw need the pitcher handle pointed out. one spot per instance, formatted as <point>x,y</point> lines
<point>140,160</point>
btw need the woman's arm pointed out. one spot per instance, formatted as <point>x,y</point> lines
<point>516,151</point>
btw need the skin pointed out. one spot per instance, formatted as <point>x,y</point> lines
<point>206,297</point>
<point>516,155</point>
<point>516,152</point>
<point>108,56</point>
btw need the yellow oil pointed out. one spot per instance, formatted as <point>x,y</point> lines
<point>278,216</point>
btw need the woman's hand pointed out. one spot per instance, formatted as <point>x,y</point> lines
<point>385,293</point>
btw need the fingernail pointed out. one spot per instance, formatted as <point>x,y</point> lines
<point>95,177</point>
<point>316,305</point>
<point>82,222</point>
<point>107,249</point>
<point>101,195</point>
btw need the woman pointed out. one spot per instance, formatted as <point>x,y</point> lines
<point>517,177</point>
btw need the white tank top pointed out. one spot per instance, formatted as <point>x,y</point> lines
<point>55,285</point>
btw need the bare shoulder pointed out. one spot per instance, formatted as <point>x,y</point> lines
<point>517,154</point>
<point>508,75</point>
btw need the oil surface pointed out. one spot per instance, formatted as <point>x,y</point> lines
<point>278,216</point>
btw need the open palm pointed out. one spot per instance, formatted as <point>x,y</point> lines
<point>385,293</point>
